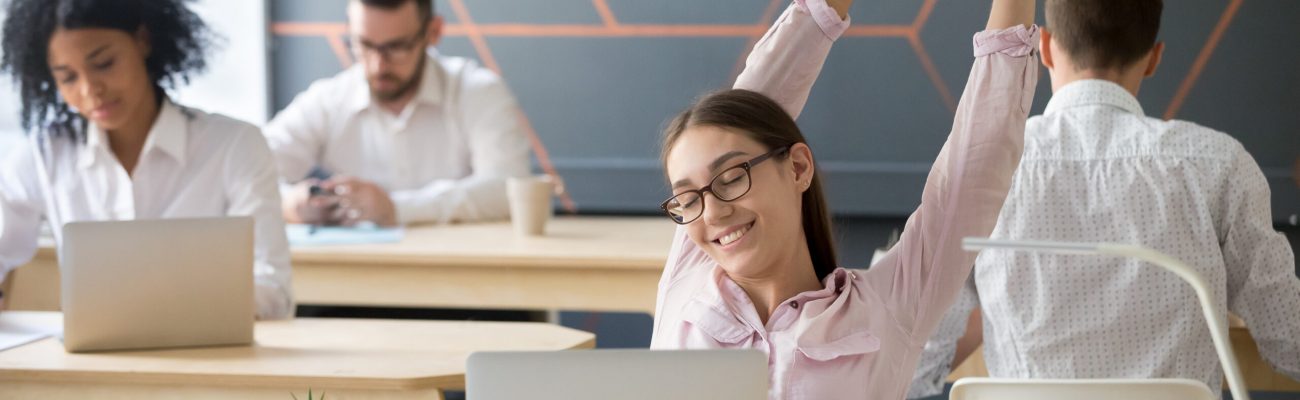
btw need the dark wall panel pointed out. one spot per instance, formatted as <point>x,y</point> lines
<point>876,118</point>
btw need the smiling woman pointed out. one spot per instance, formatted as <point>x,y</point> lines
<point>753,266</point>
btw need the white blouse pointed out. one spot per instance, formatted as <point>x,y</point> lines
<point>193,164</point>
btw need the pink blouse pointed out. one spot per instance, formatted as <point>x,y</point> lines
<point>860,336</point>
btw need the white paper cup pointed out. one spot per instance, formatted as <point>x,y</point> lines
<point>530,203</point>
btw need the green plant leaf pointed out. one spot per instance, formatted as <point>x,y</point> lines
<point>310,396</point>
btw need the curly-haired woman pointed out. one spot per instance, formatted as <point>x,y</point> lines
<point>106,142</point>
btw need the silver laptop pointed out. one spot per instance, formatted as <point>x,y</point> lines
<point>157,283</point>
<point>617,374</point>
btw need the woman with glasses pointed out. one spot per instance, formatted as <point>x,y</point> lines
<point>107,143</point>
<point>753,265</point>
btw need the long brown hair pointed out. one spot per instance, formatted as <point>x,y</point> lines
<point>760,118</point>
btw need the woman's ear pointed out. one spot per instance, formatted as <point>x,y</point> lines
<point>142,41</point>
<point>802,164</point>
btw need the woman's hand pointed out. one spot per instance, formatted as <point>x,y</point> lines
<point>841,6</point>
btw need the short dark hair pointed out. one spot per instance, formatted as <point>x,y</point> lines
<point>1104,34</point>
<point>178,40</point>
<point>424,6</point>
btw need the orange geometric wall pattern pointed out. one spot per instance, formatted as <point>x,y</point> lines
<point>1190,28</point>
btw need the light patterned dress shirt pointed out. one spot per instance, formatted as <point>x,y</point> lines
<point>1097,169</point>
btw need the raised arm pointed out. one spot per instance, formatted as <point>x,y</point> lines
<point>921,277</point>
<point>1009,13</point>
<point>786,61</point>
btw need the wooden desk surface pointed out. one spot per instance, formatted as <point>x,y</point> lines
<point>338,355</point>
<point>582,263</point>
<point>586,242</point>
<point>570,241</point>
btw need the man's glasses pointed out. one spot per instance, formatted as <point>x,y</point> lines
<point>396,51</point>
<point>729,185</point>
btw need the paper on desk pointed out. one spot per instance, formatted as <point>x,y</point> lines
<point>9,340</point>
<point>300,235</point>
<point>20,329</point>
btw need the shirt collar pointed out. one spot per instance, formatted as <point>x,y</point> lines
<point>168,135</point>
<point>429,93</point>
<point>722,291</point>
<point>1093,92</point>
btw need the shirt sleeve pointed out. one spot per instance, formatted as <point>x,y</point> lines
<point>920,278</point>
<point>935,364</point>
<point>682,256</point>
<point>788,58</point>
<point>1262,285</point>
<point>22,205</point>
<point>297,135</point>
<point>499,149</point>
<point>252,190</point>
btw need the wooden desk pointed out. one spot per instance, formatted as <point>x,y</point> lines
<point>357,359</point>
<point>583,263</point>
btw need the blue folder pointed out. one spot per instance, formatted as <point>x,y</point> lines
<point>301,235</point>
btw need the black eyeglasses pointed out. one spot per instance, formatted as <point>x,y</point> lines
<point>396,51</point>
<point>729,185</point>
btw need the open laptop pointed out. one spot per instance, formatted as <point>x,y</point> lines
<point>157,283</point>
<point>618,374</point>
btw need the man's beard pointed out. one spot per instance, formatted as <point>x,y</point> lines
<point>404,88</point>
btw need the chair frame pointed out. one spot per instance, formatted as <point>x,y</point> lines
<point>1218,324</point>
